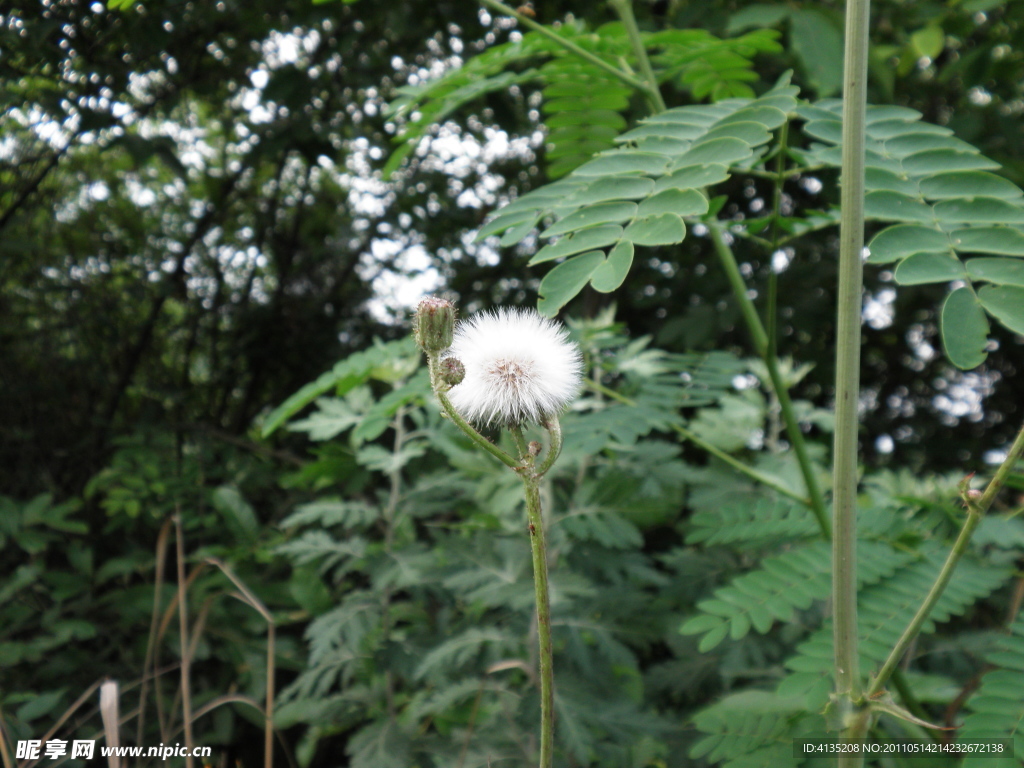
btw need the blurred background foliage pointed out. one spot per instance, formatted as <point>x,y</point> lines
<point>195,222</point>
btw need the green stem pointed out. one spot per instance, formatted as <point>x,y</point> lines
<point>975,513</point>
<point>736,464</point>
<point>554,430</point>
<point>761,346</point>
<point>844,495</point>
<point>572,47</point>
<point>439,389</point>
<point>624,8</point>
<point>538,548</point>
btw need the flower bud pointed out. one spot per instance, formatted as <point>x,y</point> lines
<point>452,371</point>
<point>434,324</point>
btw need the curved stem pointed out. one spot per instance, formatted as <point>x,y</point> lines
<point>761,346</point>
<point>461,423</point>
<point>554,430</point>
<point>975,513</point>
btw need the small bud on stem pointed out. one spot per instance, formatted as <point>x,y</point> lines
<point>434,325</point>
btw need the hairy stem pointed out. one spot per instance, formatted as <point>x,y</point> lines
<point>761,346</point>
<point>538,548</point>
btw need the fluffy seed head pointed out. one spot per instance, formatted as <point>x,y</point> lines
<point>519,367</point>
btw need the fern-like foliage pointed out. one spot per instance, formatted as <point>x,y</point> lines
<point>753,729</point>
<point>640,194</point>
<point>783,584</point>
<point>752,527</point>
<point>583,104</point>
<point>938,191</point>
<point>947,204</point>
<point>883,612</point>
<point>997,707</point>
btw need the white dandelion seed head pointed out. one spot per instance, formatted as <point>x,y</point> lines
<point>519,366</point>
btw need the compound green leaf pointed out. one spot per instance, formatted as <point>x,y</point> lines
<point>592,216</point>
<point>610,274</point>
<point>922,268</point>
<point>999,271</point>
<point>566,280</point>
<point>663,229</point>
<point>597,237</point>
<point>902,240</point>
<point>682,202</point>
<point>1006,304</point>
<point>964,329</point>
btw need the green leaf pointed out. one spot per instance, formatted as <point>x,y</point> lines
<point>592,216</point>
<point>682,202</point>
<point>663,229</point>
<point>1003,240</point>
<point>968,184</point>
<point>922,268</point>
<point>964,329</point>
<point>751,133</point>
<point>1006,304</point>
<point>929,41</point>
<point>586,240</point>
<point>902,240</point>
<point>725,151</point>
<point>566,280</point>
<point>613,188</point>
<point>692,177</point>
<point>892,206</point>
<point>818,43</point>
<point>999,271</point>
<point>624,162</point>
<point>942,160</point>
<point>881,179</point>
<point>980,210</point>
<point>237,510</point>
<point>517,233</point>
<point>756,16</point>
<point>611,273</point>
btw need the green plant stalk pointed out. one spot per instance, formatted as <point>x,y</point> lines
<point>844,472</point>
<point>736,464</point>
<point>569,45</point>
<point>761,345</point>
<point>624,8</point>
<point>538,548</point>
<point>975,512</point>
